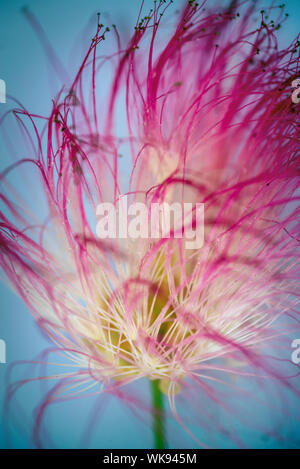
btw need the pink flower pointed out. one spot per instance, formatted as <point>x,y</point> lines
<point>209,120</point>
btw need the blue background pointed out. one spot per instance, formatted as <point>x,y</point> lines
<point>69,25</point>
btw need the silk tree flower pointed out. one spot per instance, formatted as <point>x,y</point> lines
<point>207,99</point>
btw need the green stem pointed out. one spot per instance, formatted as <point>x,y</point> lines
<point>158,415</point>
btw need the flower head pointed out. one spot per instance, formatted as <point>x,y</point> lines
<point>209,119</point>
